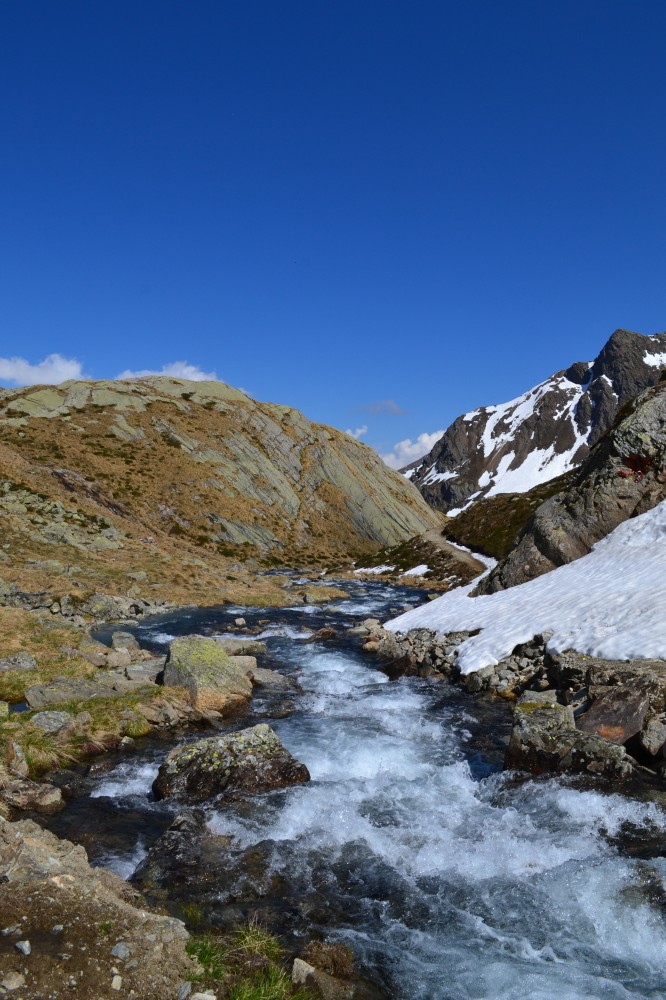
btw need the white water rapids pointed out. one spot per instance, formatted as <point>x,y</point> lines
<point>451,885</point>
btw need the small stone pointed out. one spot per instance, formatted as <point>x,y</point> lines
<point>121,951</point>
<point>184,991</point>
<point>52,722</point>
<point>116,983</point>
<point>13,981</point>
<point>57,929</point>
<point>23,947</point>
<point>19,661</point>
<point>208,995</point>
<point>240,622</point>
<point>300,972</point>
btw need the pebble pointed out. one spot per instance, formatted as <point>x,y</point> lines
<point>57,929</point>
<point>121,951</point>
<point>203,996</point>
<point>23,947</point>
<point>116,983</point>
<point>13,981</point>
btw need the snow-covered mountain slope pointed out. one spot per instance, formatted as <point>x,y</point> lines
<point>514,446</point>
<point>610,603</point>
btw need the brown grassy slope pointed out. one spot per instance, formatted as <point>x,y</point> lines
<point>176,489</point>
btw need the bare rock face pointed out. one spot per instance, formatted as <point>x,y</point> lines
<point>252,760</point>
<point>549,430</point>
<point>624,476</point>
<point>214,680</point>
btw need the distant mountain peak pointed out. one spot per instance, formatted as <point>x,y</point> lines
<point>549,430</point>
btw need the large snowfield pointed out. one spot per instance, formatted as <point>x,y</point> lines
<point>610,603</point>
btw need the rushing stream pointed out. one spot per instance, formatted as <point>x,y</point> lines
<point>447,878</point>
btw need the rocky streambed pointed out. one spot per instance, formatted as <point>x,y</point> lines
<point>446,876</point>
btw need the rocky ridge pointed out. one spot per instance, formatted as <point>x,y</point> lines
<point>164,489</point>
<point>512,447</point>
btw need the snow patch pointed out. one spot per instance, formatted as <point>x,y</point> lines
<point>374,569</point>
<point>417,570</point>
<point>610,603</point>
<point>655,360</point>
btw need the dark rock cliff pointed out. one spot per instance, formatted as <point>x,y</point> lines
<point>624,476</point>
<point>512,447</point>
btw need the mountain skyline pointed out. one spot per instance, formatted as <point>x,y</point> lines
<point>340,208</point>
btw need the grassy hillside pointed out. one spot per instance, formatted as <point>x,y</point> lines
<point>183,490</point>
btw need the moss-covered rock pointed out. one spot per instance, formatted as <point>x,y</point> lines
<point>252,760</point>
<point>215,681</point>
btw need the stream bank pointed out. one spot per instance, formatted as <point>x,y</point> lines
<point>446,877</point>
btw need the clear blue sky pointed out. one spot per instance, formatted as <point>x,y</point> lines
<point>333,204</point>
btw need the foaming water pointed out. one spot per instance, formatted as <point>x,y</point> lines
<point>448,880</point>
<point>454,888</point>
<point>128,779</point>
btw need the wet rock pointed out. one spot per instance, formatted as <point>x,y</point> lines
<point>324,634</point>
<point>249,761</point>
<point>271,680</point>
<point>19,661</point>
<point>30,796</point>
<point>617,712</point>
<point>52,722</point>
<point>544,740</point>
<point>24,947</point>
<point>653,736</point>
<point>213,679</point>
<point>240,647</point>
<point>178,857</point>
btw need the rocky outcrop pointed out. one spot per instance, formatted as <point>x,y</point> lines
<point>624,476</point>
<point>549,430</point>
<point>214,680</point>
<point>545,740</point>
<point>244,763</point>
<point>79,928</point>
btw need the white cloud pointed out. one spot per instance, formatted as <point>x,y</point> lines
<point>358,433</point>
<point>176,369</point>
<point>407,451</point>
<point>51,371</point>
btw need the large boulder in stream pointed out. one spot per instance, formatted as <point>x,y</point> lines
<point>215,681</point>
<point>232,766</point>
<point>544,740</point>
